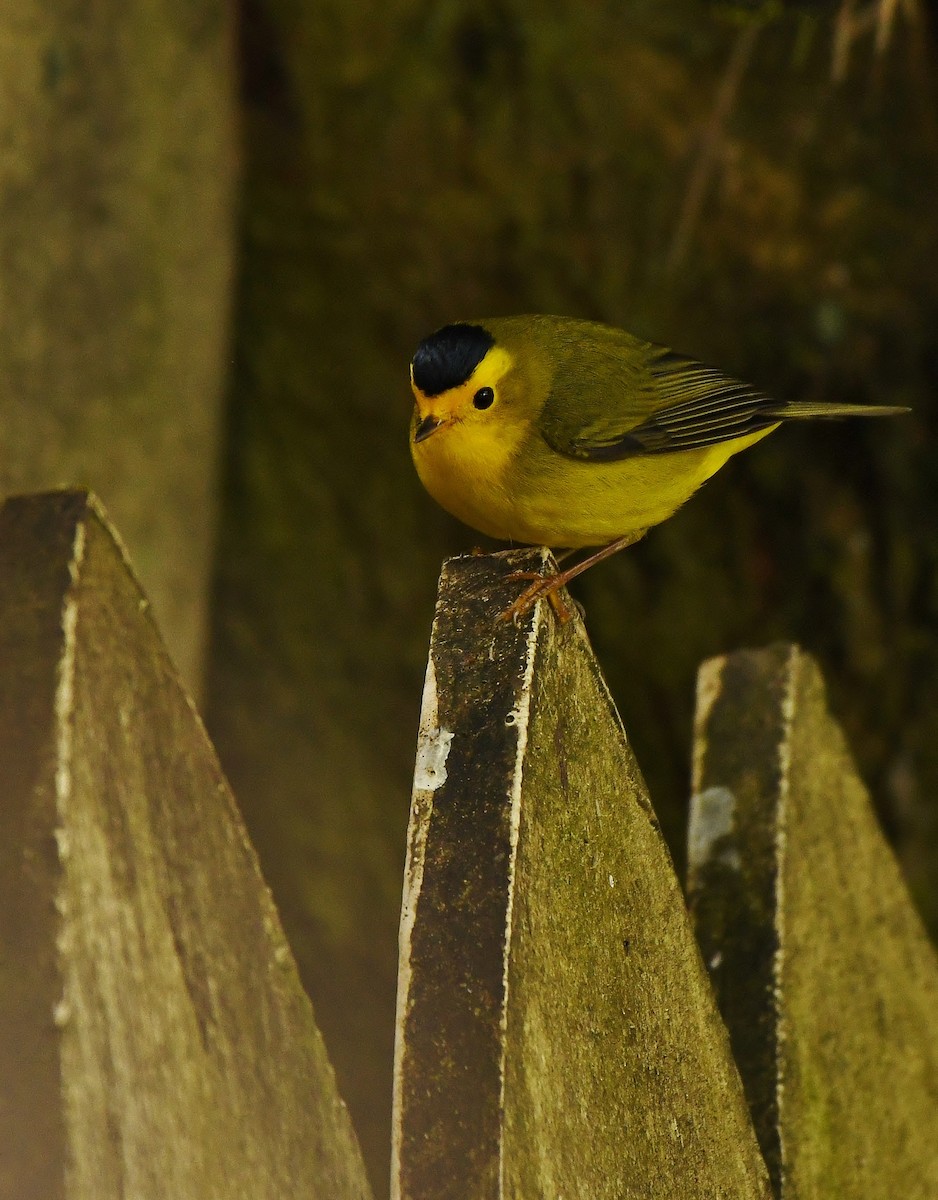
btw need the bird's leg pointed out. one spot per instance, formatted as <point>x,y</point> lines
<point>522,576</point>
<point>559,556</point>
<point>538,577</point>
<point>554,599</point>
<point>545,587</point>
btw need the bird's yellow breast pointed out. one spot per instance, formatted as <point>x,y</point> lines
<point>508,483</point>
<point>469,471</point>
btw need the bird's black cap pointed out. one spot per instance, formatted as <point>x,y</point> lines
<point>448,357</point>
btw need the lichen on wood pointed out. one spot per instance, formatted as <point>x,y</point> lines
<point>824,973</point>
<point>154,1036</point>
<point>556,1031</point>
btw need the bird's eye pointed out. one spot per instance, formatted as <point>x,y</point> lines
<point>483,398</point>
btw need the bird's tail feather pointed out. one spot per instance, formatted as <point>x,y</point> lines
<point>805,409</point>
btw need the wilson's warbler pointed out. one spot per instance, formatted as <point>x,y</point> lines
<point>570,433</point>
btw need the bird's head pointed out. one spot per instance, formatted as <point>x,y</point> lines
<point>458,376</point>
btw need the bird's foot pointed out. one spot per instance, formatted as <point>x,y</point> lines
<point>543,587</point>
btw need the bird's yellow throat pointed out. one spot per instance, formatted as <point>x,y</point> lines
<point>465,462</point>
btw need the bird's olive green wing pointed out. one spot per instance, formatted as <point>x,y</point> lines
<point>637,398</point>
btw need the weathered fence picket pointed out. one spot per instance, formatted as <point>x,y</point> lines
<point>557,1035</point>
<point>155,1040</point>
<point>825,976</point>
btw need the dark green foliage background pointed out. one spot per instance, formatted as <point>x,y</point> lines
<point>411,162</point>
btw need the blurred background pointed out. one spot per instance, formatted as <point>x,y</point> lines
<point>223,230</point>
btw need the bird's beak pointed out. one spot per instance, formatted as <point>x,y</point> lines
<point>427,425</point>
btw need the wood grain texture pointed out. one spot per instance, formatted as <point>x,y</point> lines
<point>823,970</point>
<point>155,1037</point>
<point>557,1035</point>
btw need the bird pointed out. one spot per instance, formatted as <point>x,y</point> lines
<point>574,434</point>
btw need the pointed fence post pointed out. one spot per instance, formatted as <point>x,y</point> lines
<point>154,1037</point>
<point>823,971</point>
<point>557,1036</point>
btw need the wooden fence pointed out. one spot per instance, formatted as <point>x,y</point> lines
<point>559,1035</point>
<point>154,1037</point>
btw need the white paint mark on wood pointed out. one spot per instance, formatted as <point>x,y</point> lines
<point>711,823</point>
<point>433,743</point>
<point>64,707</point>
<point>65,684</point>
<point>781,835</point>
<point>521,714</point>
<point>709,687</point>
<point>433,746</point>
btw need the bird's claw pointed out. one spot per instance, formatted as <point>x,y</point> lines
<point>544,587</point>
